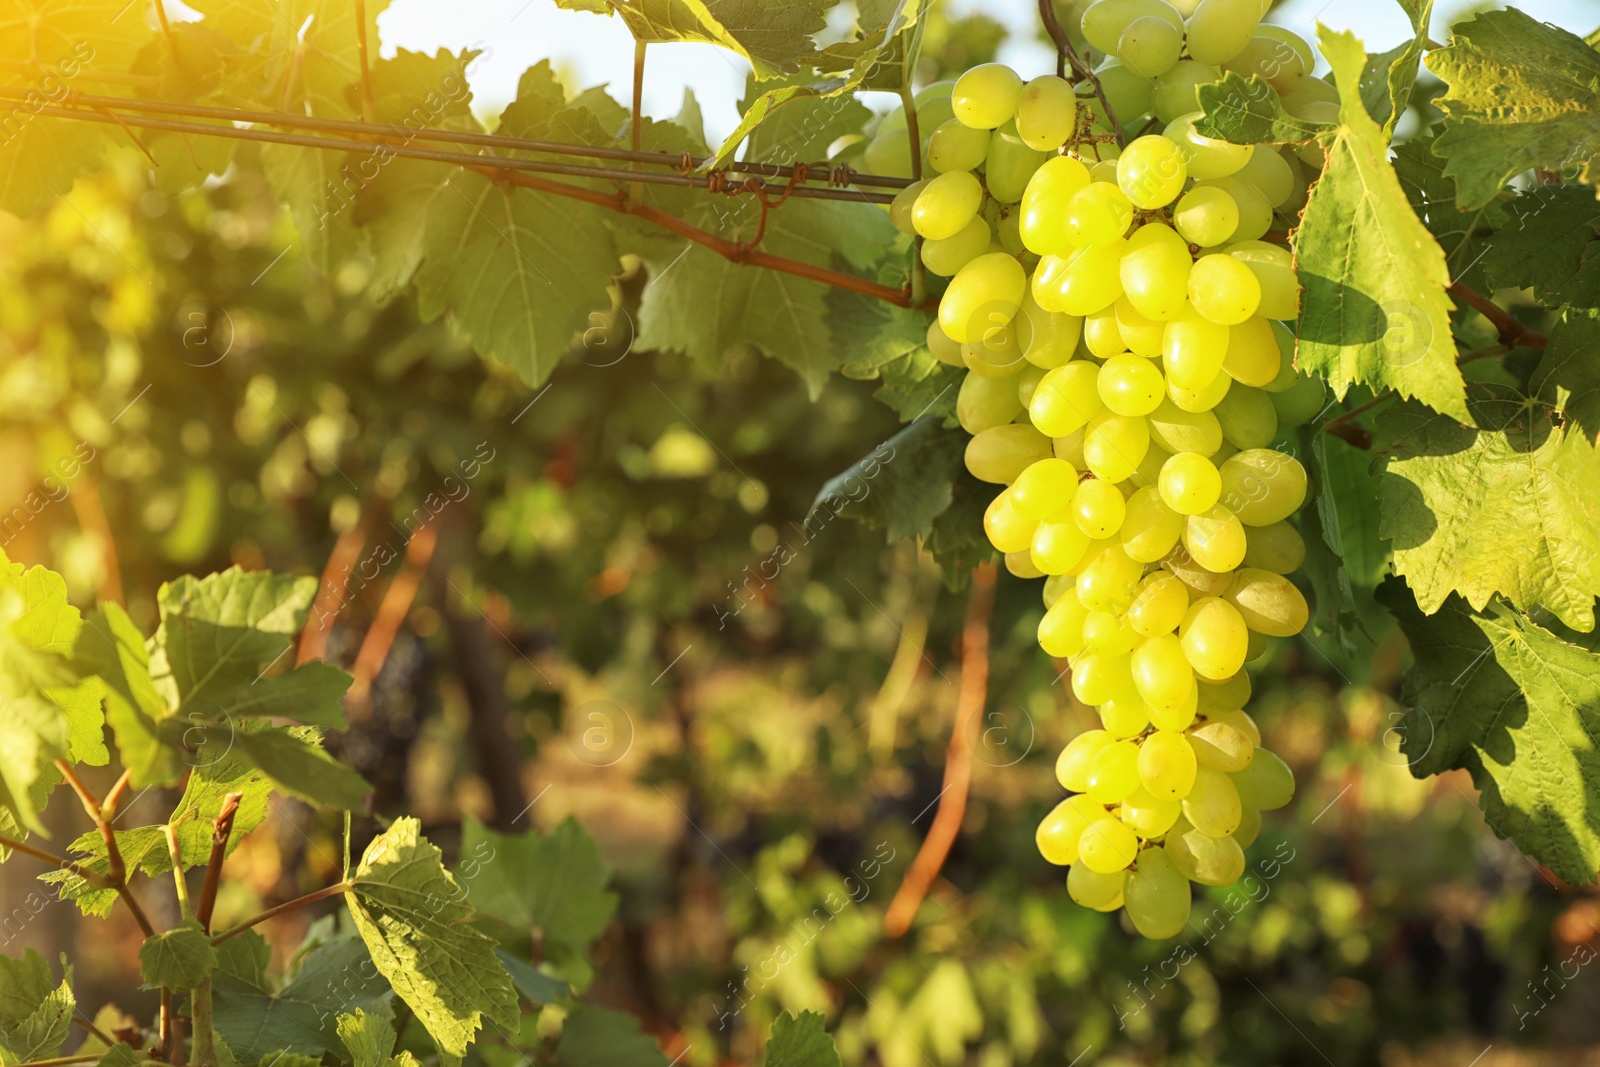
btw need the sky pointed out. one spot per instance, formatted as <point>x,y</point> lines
<point>596,49</point>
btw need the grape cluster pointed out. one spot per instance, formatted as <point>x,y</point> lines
<point>1121,322</point>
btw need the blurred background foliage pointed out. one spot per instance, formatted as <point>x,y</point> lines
<point>618,615</point>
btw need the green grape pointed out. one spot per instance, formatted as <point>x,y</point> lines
<point>1009,234</point>
<point>1311,153</point>
<point>1027,382</point>
<point>1258,645</point>
<point>1162,674</point>
<point>1262,486</point>
<point>1279,65</point>
<point>1269,174</point>
<point>1269,603</point>
<point>1253,357</point>
<point>948,255</point>
<point>1054,586</point>
<point>1108,582</point>
<point>1190,484</point>
<point>1155,273</point>
<point>984,294</point>
<point>1220,29</point>
<point>1223,290</point>
<point>1300,403</point>
<point>1274,270</point>
<point>943,349</point>
<point>1276,547</point>
<point>1001,453</point>
<point>1142,335</point>
<point>1159,605</point>
<point>1193,349</point>
<point>1286,374</point>
<point>1045,488</point>
<point>1205,157</point>
<point>1213,804</point>
<point>1177,430</point>
<point>1150,46</point>
<point>1302,47</point>
<point>1101,334</point>
<point>1058,547</point>
<point>1105,633</point>
<point>1205,859</point>
<point>1214,638</point>
<point>1099,678</point>
<point>1107,845</point>
<point>1215,539</point>
<point>1128,92</point>
<point>1098,215</point>
<point>1148,815</point>
<point>1156,896</point>
<point>1097,507</point>
<point>1090,889</point>
<point>1104,22</point>
<point>1044,202</point>
<point>1124,717</point>
<point>1048,338</point>
<point>1206,216</point>
<point>1010,164</point>
<point>986,96</point>
<point>1247,417</point>
<point>947,203</point>
<point>1114,772</point>
<point>1167,765</point>
<point>904,201</point>
<point>984,403</point>
<point>1176,718</point>
<point>1066,399</point>
<point>1075,760</point>
<point>1114,445</point>
<point>1204,398</point>
<point>934,108</point>
<point>1059,831</point>
<point>1224,699</point>
<point>1008,531</point>
<point>1249,828</point>
<point>1047,113</point>
<point>1173,93</point>
<point>1150,528</point>
<point>1149,470</point>
<point>955,147</point>
<point>888,154</point>
<point>1021,565</point>
<point>1199,581</point>
<point>1267,784</point>
<point>1309,91</point>
<point>1060,632</point>
<point>997,354</point>
<point>1131,385</point>
<point>1221,746</point>
<point>1255,214</point>
<point>1151,171</point>
<point>1081,283</point>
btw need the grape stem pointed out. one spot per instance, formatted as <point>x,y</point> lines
<point>958,761</point>
<point>1512,332</point>
<point>1345,430</point>
<point>1067,56</point>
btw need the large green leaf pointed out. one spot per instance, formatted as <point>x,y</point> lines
<point>1568,375</point>
<point>1508,508</point>
<point>902,485</point>
<point>1464,235</point>
<point>600,1037</point>
<point>1375,309</point>
<point>1521,93</point>
<point>1550,244</point>
<point>35,1014</point>
<point>775,38</point>
<point>369,1038</point>
<point>148,740</point>
<point>179,958</point>
<point>413,917</point>
<point>1519,708</point>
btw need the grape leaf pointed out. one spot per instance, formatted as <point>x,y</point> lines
<point>800,1042</point>
<point>1550,243</point>
<point>1334,603</point>
<point>412,915</point>
<point>148,740</point>
<point>334,977</point>
<point>531,982</point>
<point>1568,375</point>
<point>600,1037</point>
<point>1375,309</point>
<point>1508,508</point>
<point>298,764</point>
<point>1518,708</point>
<point>35,1014</point>
<point>1521,93</point>
<point>1247,111</point>
<point>903,485</point>
<point>1387,80</point>
<point>553,885</point>
<point>245,956</point>
<point>369,1038</point>
<point>775,38</point>
<point>179,958</point>
<point>1464,235</point>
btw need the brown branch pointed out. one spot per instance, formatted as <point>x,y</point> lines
<point>958,761</point>
<point>288,905</point>
<point>114,795</point>
<point>1344,429</point>
<point>1511,332</point>
<point>62,1061</point>
<point>396,604</point>
<point>1058,34</point>
<point>117,871</point>
<point>331,597</point>
<point>89,507</point>
<point>94,878</point>
<point>94,1030</point>
<point>1067,56</point>
<point>1483,353</point>
<point>222,829</point>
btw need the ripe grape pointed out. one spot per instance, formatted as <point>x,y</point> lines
<point>1194,347</point>
<point>1213,805</point>
<point>1161,673</point>
<point>1058,833</point>
<point>1150,46</point>
<point>1114,445</point>
<point>1072,766</point>
<point>1301,402</point>
<point>1124,716</point>
<point>1010,164</point>
<point>945,257</point>
<point>1159,604</point>
<point>1098,508</point>
<point>1108,845</point>
<point>1107,583</point>
<point>1202,399</point>
<point>1131,385</point>
<point>1151,171</point>
<point>1047,113</point>
<point>1058,547</point>
<point>1003,452</point>
<point>1156,895</point>
<point>1205,157</point>
<point>1091,280</point>
<point>1066,398</point>
<point>1223,290</point>
<point>1262,486</point>
<point>996,354</point>
<point>1114,772</point>
<point>1043,218</point>
<point>1253,357</point>
<point>947,203</point>
<point>1255,213</point>
<point>1102,892</point>
<point>1215,539</point>
<point>1061,630</point>
<point>1269,603</point>
<point>984,403</point>
<point>1173,93</point>
<point>1104,22</point>
<point>1154,272</point>
<point>1044,488</point>
<point>1276,547</point>
<point>1098,215</point>
<point>1206,859</point>
<point>1007,529</point>
<point>1249,828</point>
<point>1214,638</point>
<point>956,147</point>
<point>1247,417</point>
<point>1269,174</point>
<point>1273,60</point>
<point>1101,334</point>
<point>984,294</point>
<point>1267,784</point>
<point>905,201</point>
<point>1148,815</point>
<point>1219,699</point>
<point>986,96</point>
<point>1222,746</point>
<point>1220,29</point>
<point>1176,718</point>
<point>1206,216</point>
<point>1142,335</point>
<point>1167,765</point>
<point>1149,528</point>
<point>1274,269</point>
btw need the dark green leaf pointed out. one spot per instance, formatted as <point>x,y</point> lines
<point>1568,375</point>
<point>530,981</point>
<point>554,885</point>
<point>903,485</point>
<point>1464,235</point>
<point>800,1042</point>
<point>1550,243</point>
<point>600,1037</point>
<point>297,764</point>
<point>179,958</point>
<point>1388,78</point>
<point>35,1014</point>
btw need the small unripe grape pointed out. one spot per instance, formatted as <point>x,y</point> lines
<point>1173,93</point>
<point>1162,674</point>
<point>1103,23</point>
<point>900,210</point>
<point>1156,895</point>
<point>947,203</point>
<point>1167,765</point>
<point>954,146</point>
<point>986,96</point>
<point>1047,113</point>
<point>1007,530</point>
<point>1190,484</point>
<point>1090,889</point>
<point>1213,804</point>
<point>1276,547</point>
<point>1214,638</point>
<point>1159,605</point>
<point>1220,699</point>
<point>1044,202</point>
<point>1151,171</point>
<point>1279,65</point>
<point>1066,399</point>
<point>1114,445</point>
<point>1206,216</point>
<point>1249,828</point>
<point>1075,760</point>
<point>1044,488</point>
<point>943,348</point>
<point>1301,402</point>
<point>1150,528</point>
<point>1267,784</point>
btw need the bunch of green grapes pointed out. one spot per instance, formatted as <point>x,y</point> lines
<point>1128,370</point>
